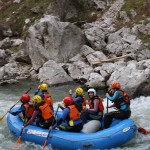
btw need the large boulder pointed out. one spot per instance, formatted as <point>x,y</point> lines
<point>53,74</point>
<point>52,39</point>
<point>134,78</point>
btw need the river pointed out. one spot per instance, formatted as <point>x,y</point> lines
<point>9,94</point>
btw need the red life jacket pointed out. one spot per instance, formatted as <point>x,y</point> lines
<point>74,113</point>
<point>101,106</point>
<point>48,99</point>
<point>47,113</point>
<point>125,99</point>
<point>28,110</point>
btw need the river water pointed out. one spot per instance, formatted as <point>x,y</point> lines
<point>9,95</point>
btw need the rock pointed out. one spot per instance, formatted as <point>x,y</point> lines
<point>52,39</point>
<point>53,74</point>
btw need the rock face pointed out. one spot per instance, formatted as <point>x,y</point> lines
<point>58,52</point>
<point>52,39</point>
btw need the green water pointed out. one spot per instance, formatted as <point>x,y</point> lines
<point>9,94</point>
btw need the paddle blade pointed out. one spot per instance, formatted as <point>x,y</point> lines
<point>44,144</point>
<point>143,131</point>
<point>19,140</point>
<point>1,119</point>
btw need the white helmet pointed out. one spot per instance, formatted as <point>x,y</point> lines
<point>92,90</point>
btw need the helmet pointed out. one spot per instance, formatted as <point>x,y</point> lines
<point>25,98</point>
<point>68,100</point>
<point>115,85</point>
<point>37,99</point>
<point>43,87</point>
<point>92,90</point>
<point>79,91</point>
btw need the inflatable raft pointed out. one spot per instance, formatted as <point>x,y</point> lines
<point>118,134</point>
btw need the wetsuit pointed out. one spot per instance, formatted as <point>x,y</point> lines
<point>123,112</point>
<point>63,122</point>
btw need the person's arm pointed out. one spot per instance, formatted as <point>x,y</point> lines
<point>70,92</point>
<point>63,117</point>
<point>116,96</point>
<point>34,115</point>
<point>96,106</point>
<point>21,109</point>
<point>37,92</point>
<point>52,108</point>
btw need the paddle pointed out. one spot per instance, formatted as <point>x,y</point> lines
<point>19,139</point>
<point>143,131</point>
<point>107,105</point>
<point>50,130</point>
<point>12,106</point>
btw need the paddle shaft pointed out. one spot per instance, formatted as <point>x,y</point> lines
<point>52,123</point>
<point>19,139</point>
<point>107,105</point>
<point>50,129</point>
<point>13,105</point>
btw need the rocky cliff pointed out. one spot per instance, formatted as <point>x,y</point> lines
<point>93,42</point>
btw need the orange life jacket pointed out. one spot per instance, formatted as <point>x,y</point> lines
<point>74,113</point>
<point>84,101</point>
<point>28,110</point>
<point>48,99</point>
<point>125,99</point>
<point>47,113</point>
<point>101,106</point>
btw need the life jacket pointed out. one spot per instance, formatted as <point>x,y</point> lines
<point>84,101</point>
<point>74,113</point>
<point>28,110</point>
<point>47,113</point>
<point>48,99</point>
<point>125,99</point>
<point>101,106</point>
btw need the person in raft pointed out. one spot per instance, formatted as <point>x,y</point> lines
<point>46,96</point>
<point>79,99</point>
<point>42,115</point>
<point>96,108</point>
<point>26,109</point>
<point>70,120</point>
<point>120,101</point>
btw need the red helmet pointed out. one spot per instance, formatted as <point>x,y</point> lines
<point>115,85</point>
<point>25,98</point>
<point>68,100</point>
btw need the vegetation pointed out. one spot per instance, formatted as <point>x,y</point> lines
<point>14,15</point>
<point>145,39</point>
<point>141,7</point>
